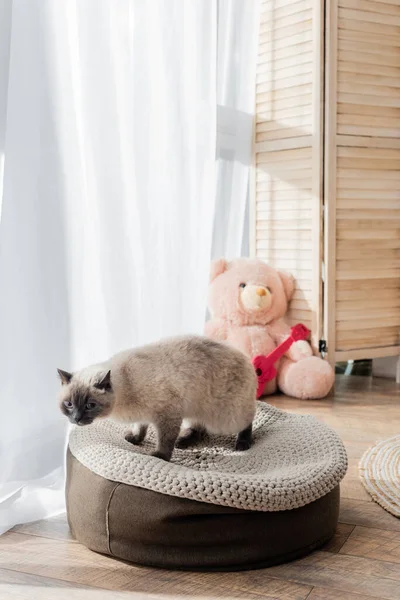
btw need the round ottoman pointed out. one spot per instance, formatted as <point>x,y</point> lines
<point>210,508</point>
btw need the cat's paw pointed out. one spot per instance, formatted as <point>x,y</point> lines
<point>184,442</point>
<point>242,445</point>
<point>134,438</point>
<point>161,455</point>
<point>189,437</point>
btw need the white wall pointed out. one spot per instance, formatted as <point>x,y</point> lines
<point>388,367</point>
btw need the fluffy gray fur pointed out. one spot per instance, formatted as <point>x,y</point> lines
<point>187,384</point>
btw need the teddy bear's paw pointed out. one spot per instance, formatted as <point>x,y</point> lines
<point>310,378</point>
<point>269,389</point>
<point>300,350</point>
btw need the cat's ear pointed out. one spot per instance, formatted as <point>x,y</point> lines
<point>64,376</point>
<point>105,383</point>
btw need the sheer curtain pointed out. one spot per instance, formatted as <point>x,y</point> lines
<point>237,41</point>
<point>108,134</point>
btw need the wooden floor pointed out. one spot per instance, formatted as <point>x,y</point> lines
<point>40,561</point>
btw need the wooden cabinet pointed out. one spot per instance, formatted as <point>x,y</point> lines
<point>326,183</point>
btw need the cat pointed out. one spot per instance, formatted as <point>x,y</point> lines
<point>185,385</point>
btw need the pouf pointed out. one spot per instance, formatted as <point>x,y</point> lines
<point>210,508</point>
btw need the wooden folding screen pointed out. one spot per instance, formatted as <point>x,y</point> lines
<point>327,167</point>
<point>287,194</point>
<point>362,168</point>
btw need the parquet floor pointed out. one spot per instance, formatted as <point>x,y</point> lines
<point>40,561</point>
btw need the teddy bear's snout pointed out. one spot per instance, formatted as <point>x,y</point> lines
<point>255,297</point>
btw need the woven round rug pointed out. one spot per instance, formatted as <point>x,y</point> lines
<point>380,474</point>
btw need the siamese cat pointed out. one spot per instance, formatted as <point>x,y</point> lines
<point>185,385</point>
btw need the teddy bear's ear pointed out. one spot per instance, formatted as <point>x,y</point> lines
<point>218,266</point>
<point>288,284</point>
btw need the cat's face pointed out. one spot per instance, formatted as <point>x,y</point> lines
<point>84,401</point>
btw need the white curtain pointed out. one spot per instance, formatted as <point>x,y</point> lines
<point>237,34</point>
<point>108,138</point>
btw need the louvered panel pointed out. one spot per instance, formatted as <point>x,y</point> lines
<point>346,289</point>
<point>363,177</point>
<point>368,74</point>
<point>380,337</point>
<point>371,207</point>
<point>282,10</point>
<point>351,308</point>
<point>351,313</point>
<point>287,176</point>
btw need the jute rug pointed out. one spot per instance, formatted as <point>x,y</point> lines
<point>380,474</point>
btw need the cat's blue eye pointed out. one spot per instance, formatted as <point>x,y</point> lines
<point>68,404</point>
<point>90,405</point>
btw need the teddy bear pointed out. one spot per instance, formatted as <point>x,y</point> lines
<point>248,300</point>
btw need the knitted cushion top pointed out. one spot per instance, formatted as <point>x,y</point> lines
<point>294,460</point>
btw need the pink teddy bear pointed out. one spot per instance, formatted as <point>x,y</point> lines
<point>248,300</point>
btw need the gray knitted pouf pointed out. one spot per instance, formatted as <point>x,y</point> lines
<point>210,507</point>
